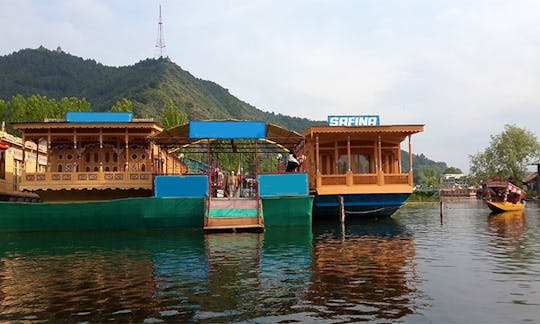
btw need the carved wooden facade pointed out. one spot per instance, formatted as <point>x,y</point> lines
<point>98,156</point>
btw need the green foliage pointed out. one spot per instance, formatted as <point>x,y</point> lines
<point>424,196</point>
<point>38,108</point>
<point>122,105</point>
<point>452,170</point>
<point>507,155</point>
<point>428,177</point>
<point>172,116</point>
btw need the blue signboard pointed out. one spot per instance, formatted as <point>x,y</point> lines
<point>227,129</point>
<point>362,120</point>
<point>98,117</point>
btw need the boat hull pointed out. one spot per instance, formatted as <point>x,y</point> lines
<point>359,205</point>
<point>499,207</point>
<point>129,213</point>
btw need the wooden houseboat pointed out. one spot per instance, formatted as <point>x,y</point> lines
<point>356,168</point>
<point>99,175</point>
<point>11,165</point>
<point>95,156</point>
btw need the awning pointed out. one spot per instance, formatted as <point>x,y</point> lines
<point>229,136</point>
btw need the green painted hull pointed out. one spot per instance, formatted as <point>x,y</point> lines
<point>287,211</point>
<point>130,213</point>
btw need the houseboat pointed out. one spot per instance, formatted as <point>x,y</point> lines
<point>99,174</point>
<point>354,166</point>
<point>11,165</point>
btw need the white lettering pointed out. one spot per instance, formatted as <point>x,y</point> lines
<point>353,120</point>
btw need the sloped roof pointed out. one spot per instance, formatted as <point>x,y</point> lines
<point>276,136</point>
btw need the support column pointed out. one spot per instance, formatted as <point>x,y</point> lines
<point>126,164</point>
<point>410,163</point>
<point>349,179</point>
<point>75,155</point>
<point>317,162</point>
<point>23,166</point>
<point>336,158</point>
<point>101,150</point>
<point>380,175</point>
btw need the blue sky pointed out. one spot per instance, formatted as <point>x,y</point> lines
<point>462,68</point>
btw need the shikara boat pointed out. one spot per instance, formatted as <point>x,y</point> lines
<point>502,196</point>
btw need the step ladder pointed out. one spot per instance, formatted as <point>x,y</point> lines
<point>233,214</point>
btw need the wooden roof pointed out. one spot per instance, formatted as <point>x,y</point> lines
<point>389,132</point>
<point>275,135</point>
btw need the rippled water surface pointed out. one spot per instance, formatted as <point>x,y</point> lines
<point>471,268</point>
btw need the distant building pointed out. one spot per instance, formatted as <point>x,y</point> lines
<point>12,161</point>
<point>453,181</point>
<point>456,185</point>
<point>532,180</point>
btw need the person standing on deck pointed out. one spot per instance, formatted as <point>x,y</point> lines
<point>292,163</point>
<point>232,183</point>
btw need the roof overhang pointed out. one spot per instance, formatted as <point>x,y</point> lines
<point>233,132</point>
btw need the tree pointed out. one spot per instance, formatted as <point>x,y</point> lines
<point>172,116</point>
<point>122,105</point>
<point>507,155</point>
<point>452,170</point>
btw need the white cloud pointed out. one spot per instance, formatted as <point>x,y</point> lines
<point>462,68</point>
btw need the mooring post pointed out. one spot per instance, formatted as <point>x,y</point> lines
<point>341,210</point>
<point>441,209</point>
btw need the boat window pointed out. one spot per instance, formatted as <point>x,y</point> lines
<point>360,163</point>
<point>115,157</point>
<point>87,158</point>
<point>59,168</point>
<point>2,164</point>
<point>96,158</point>
<point>143,168</point>
<point>107,157</point>
<point>342,164</point>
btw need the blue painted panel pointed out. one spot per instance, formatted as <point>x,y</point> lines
<point>227,129</point>
<point>362,200</point>
<point>286,184</point>
<point>181,186</point>
<point>98,117</point>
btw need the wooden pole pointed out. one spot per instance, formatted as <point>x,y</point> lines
<point>441,209</point>
<point>341,210</point>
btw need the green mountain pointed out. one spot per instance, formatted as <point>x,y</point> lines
<point>149,84</point>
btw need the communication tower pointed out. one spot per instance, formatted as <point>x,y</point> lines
<point>160,41</point>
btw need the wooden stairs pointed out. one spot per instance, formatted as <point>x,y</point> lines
<point>233,214</point>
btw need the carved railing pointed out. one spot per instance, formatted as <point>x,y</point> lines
<point>365,179</point>
<point>97,179</point>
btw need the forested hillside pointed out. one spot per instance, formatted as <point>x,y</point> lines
<point>148,84</point>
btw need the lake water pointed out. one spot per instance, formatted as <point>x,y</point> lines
<point>472,268</point>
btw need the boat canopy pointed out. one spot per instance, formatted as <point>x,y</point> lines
<point>232,136</point>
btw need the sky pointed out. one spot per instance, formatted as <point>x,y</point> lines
<point>463,68</point>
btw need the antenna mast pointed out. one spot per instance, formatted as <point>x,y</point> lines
<point>160,42</point>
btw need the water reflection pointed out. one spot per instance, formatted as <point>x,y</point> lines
<point>366,274</point>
